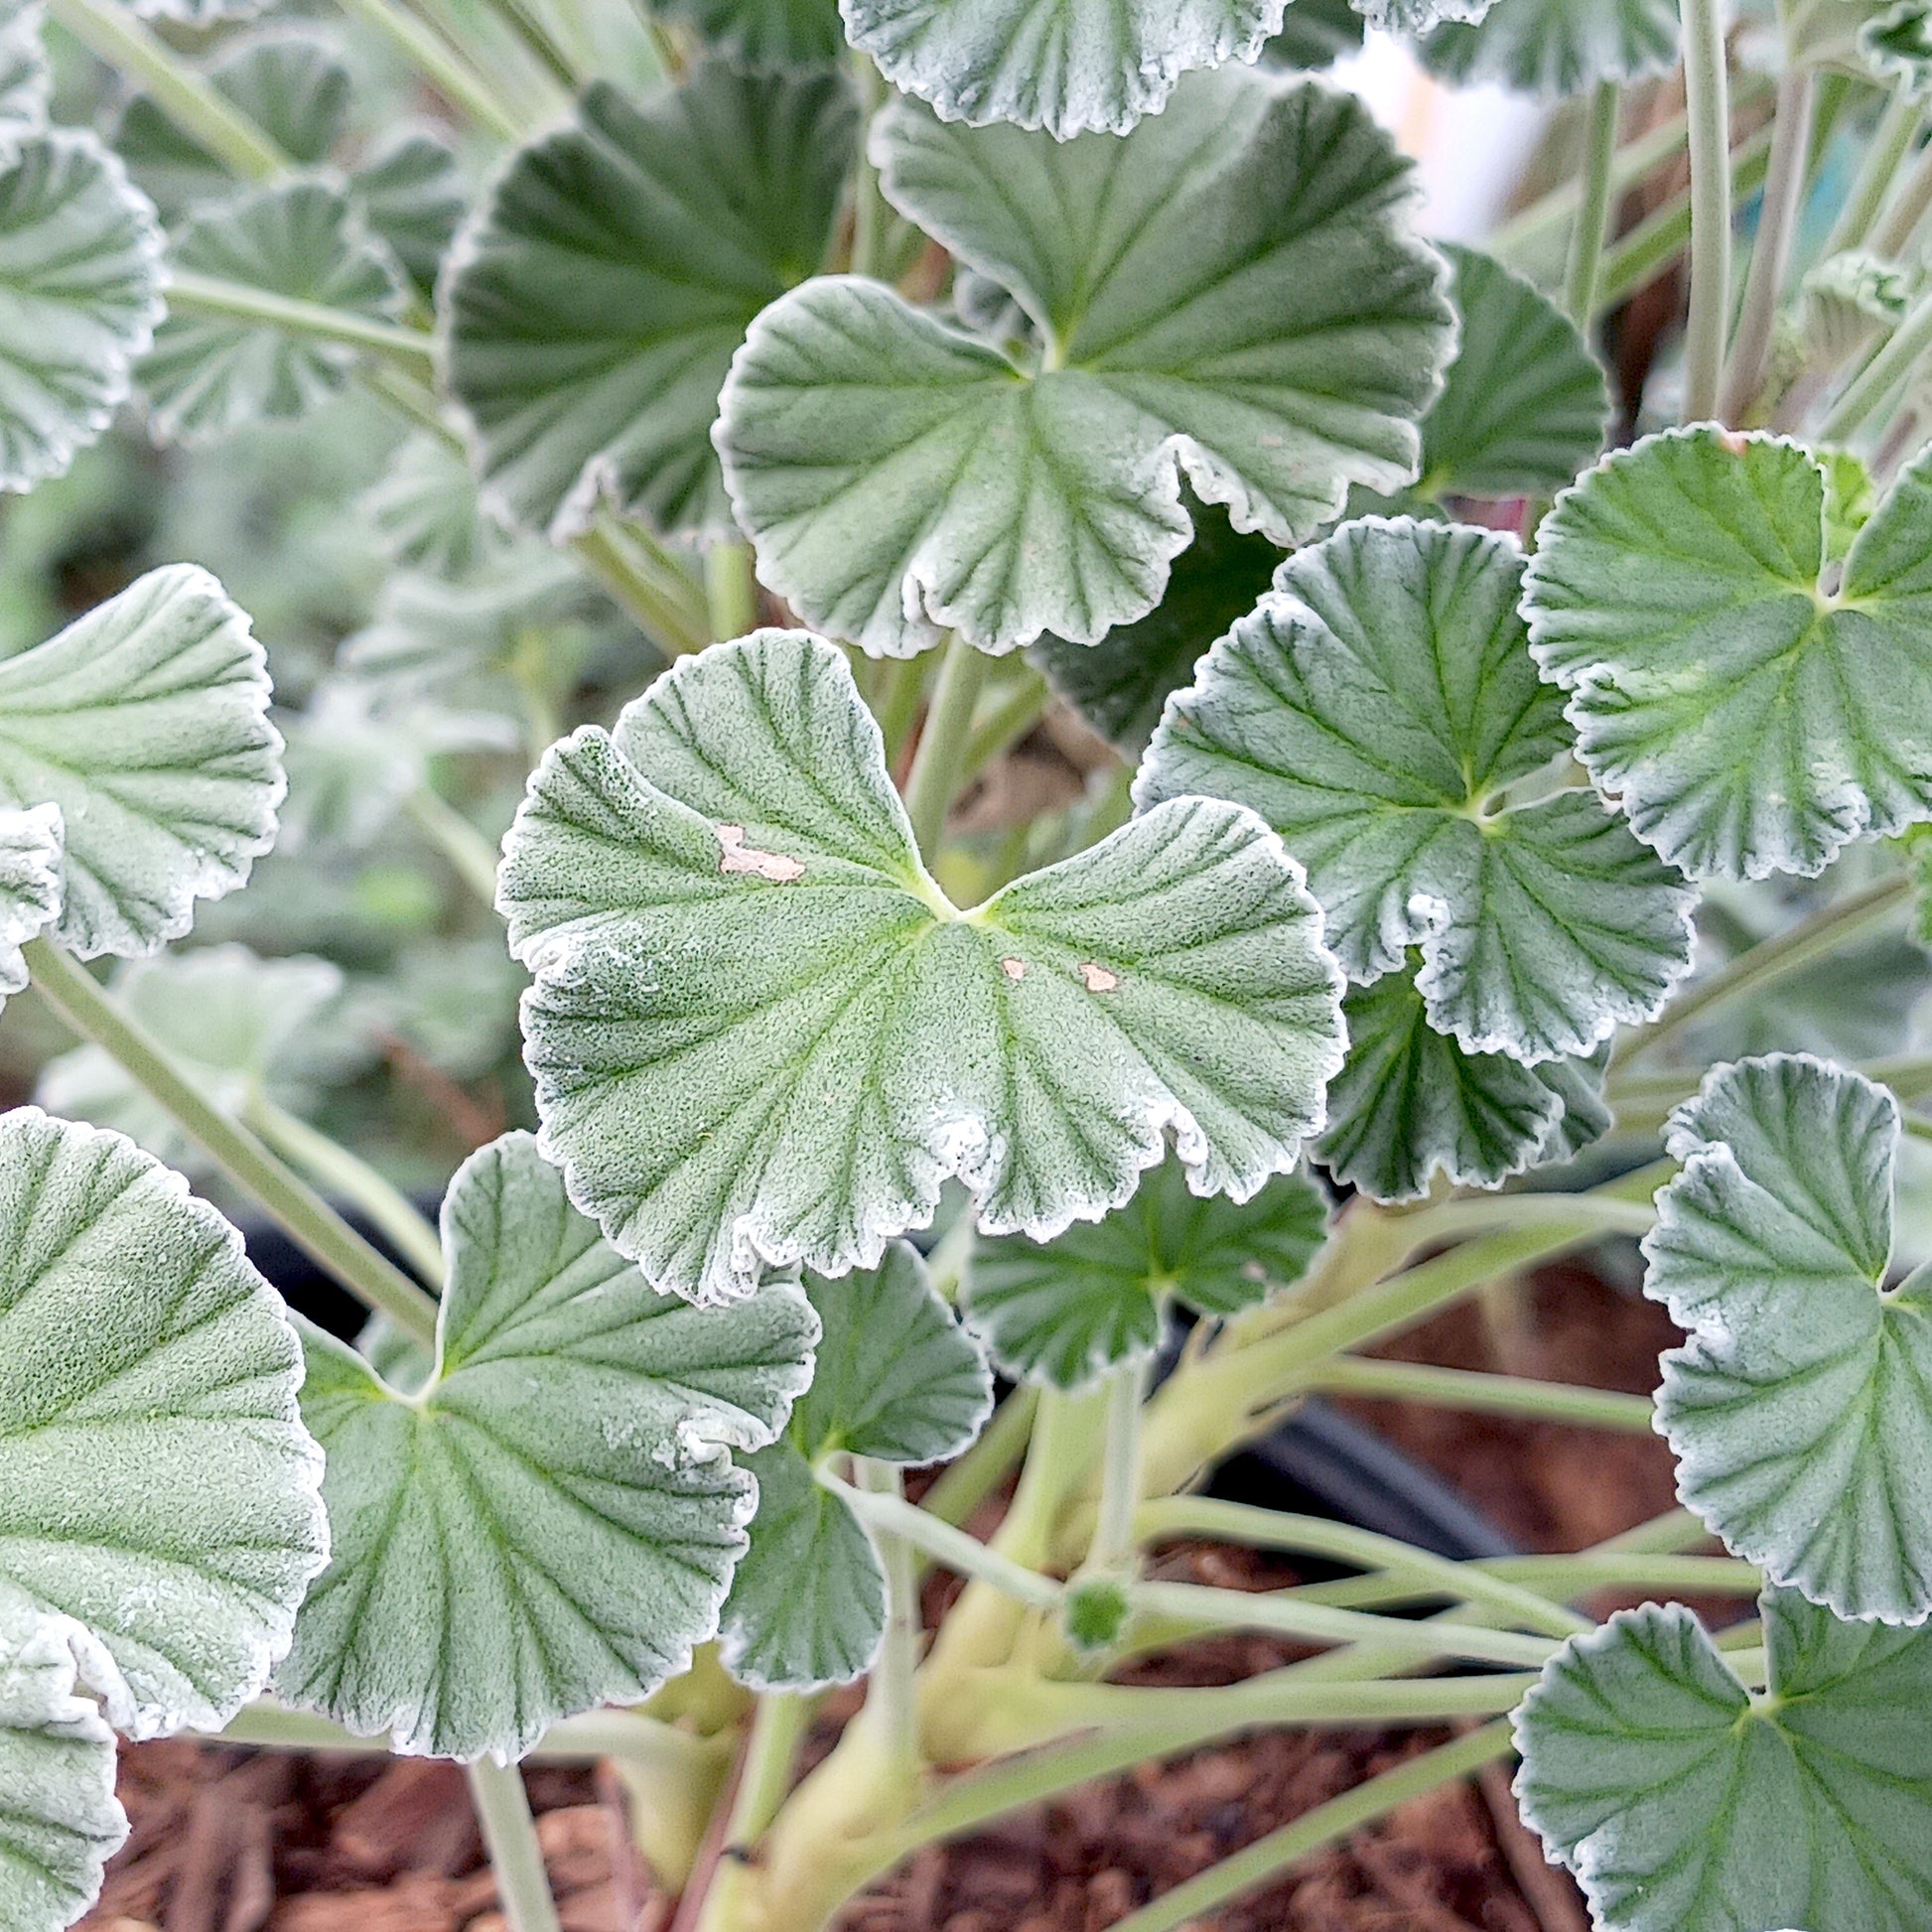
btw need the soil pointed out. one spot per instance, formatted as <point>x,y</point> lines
<point>236,1840</point>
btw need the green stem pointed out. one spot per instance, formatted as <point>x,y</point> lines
<point>1777,227</point>
<point>941,755</point>
<point>1892,235</point>
<point>870,213</point>
<point>730,591</point>
<point>1705,89</point>
<point>887,1512</point>
<point>647,585</point>
<point>1014,714</point>
<point>1261,1861</point>
<point>890,1710</point>
<point>436,60</point>
<point>1594,211</point>
<point>779,1727</point>
<point>1892,142</point>
<point>1490,1395</point>
<point>189,99</point>
<point>1112,1549</point>
<point>1568,1578</point>
<point>902,683</point>
<point>308,1221</point>
<point>408,348</point>
<point>1547,216</point>
<point>472,856</point>
<point>510,1836</point>
<point>1877,381</point>
<point>349,1179</point>
<point>964,1485</point>
<point>1657,241</point>
<point>533,34</point>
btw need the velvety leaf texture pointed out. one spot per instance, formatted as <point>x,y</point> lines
<point>1755,705</point>
<point>1233,289</point>
<point>157,1487</point>
<point>765,33</point>
<point>146,724</point>
<point>25,76</point>
<point>30,885</point>
<point>761,1033</point>
<point>1557,47</point>
<point>552,1522</point>
<point>1798,1407</point>
<point>594,310</point>
<point>1067,1311</point>
<point>1377,709</point>
<point>1685,1804</point>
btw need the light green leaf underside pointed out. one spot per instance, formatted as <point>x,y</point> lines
<point>80,297</point>
<point>758,1031</point>
<point>898,1380</point>
<point>552,1523</point>
<point>25,77</point>
<point>1801,1407</point>
<point>1067,66</point>
<point>207,375</point>
<point>156,1485</point>
<point>1068,1310</point>
<point>1750,717</point>
<point>30,885</point>
<point>1557,47</point>
<point>1376,710</point>
<point>766,34</point>
<point>411,194</point>
<point>59,1823</point>
<point>594,312</point>
<point>1232,289</point>
<point>146,723</point>
<point>1684,1804</point>
<point>1410,1104</point>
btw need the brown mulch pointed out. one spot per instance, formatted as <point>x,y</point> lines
<point>235,1841</point>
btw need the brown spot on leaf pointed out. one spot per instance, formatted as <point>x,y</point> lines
<point>737,856</point>
<point>1013,969</point>
<point>1098,978</point>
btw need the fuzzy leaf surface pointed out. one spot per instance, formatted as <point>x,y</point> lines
<point>1067,1311</point>
<point>595,308</point>
<point>1556,47</point>
<point>30,885</point>
<point>1376,709</point>
<point>1756,705</point>
<point>1233,289</point>
<point>1685,1804</point>
<point>551,1523</point>
<point>766,34</point>
<point>759,1031</point>
<point>146,723</point>
<point>25,76</point>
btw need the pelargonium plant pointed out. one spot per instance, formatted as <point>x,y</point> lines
<point>1497,797</point>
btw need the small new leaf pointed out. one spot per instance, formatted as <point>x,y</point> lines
<point>1685,1804</point>
<point>1798,1407</point>
<point>146,724</point>
<point>1377,710</point>
<point>551,1523</point>
<point>1755,705</point>
<point>1232,290</point>
<point>1067,1311</point>
<point>760,1033</point>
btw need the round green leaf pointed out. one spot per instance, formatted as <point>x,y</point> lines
<point>1232,290</point>
<point>1409,1104</point>
<point>1067,1311</point>
<point>146,723</point>
<point>80,297</point>
<point>25,77</point>
<point>1798,1407</point>
<point>1557,47</point>
<point>1418,16</point>
<point>1377,710</point>
<point>59,1823</point>
<point>410,191</point>
<point>30,885</point>
<point>759,1031</point>
<point>156,1485</point>
<point>594,310</point>
<point>1064,65</point>
<point>207,373</point>
<point>552,1522</point>
<point>1753,705</point>
<point>1315,33</point>
<point>766,34</point>
<point>1683,1803</point>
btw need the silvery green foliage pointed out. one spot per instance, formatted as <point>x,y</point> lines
<point>59,1823</point>
<point>1418,16</point>
<point>409,189</point>
<point>897,1381</point>
<point>207,373</point>
<point>766,34</point>
<point>1380,709</point>
<point>1684,1802</point>
<point>1897,43</point>
<point>1754,704</point>
<point>1069,66</point>
<point>80,298</point>
<point>1232,291</point>
<point>1798,1407</point>
<point>1557,47</point>
<point>425,513</point>
<point>594,308</point>
<point>551,1523</point>
<point>1410,1104</point>
<point>1067,1311</point>
<point>30,885</point>
<point>761,1032</point>
<point>25,79</point>
<point>157,1486</point>
<point>197,13</point>
<point>146,724</point>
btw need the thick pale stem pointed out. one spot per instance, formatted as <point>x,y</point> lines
<point>648,584</point>
<point>1893,141</point>
<point>439,64</point>
<point>472,856</point>
<point>1707,94</point>
<point>870,213</point>
<point>891,1710</point>
<point>1492,1395</point>
<point>308,1221</point>
<point>408,348</point>
<point>515,1855</point>
<point>1906,210</point>
<point>1593,212</point>
<point>887,1512</point>
<point>1112,1549</point>
<point>944,743</point>
<point>1661,237</point>
<point>730,591</point>
<point>1777,227</point>
<point>1877,381</point>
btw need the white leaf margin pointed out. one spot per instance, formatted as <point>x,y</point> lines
<point>33,842</point>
